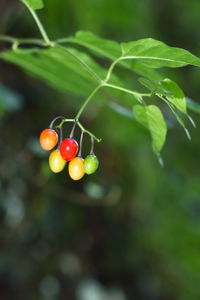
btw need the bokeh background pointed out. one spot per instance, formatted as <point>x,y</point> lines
<point>132,230</point>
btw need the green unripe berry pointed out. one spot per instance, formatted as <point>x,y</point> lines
<point>91,164</point>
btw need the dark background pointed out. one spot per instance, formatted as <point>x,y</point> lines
<point>132,230</point>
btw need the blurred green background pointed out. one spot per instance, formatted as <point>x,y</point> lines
<point>132,230</point>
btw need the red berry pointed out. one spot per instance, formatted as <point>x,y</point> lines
<point>48,139</point>
<point>68,149</point>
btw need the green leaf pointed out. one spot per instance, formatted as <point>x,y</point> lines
<point>34,4</point>
<point>142,70</point>
<point>140,114</point>
<point>157,127</point>
<point>100,46</point>
<point>111,50</point>
<point>154,86</point>
<point>173,96</point>
<point>151,117</point>
<point>64,71</point>
<point>168,88</point>
<point>178,117</point>
<point>156,54</point>
<point>177,98</point>
<point>58,68</point>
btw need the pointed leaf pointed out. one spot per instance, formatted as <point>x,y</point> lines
<point>58,68</point>
<point>100,46</point>
<point>177,98</point>
<point>154,86</point>
<point>62,71</point>
<point>169,89</point>
<point>111,50</point>
<point>156,54</point>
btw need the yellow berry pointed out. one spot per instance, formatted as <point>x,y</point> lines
<point>76,169</point>
<point>56,162</point>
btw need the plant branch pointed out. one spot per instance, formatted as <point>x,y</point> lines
<point>40,26</point>
<point>136,94</point>
<point>48,42</point>
<point>88,100</point>
<point>80,126</point>
<point>111,69</point>
<point>9,39</point>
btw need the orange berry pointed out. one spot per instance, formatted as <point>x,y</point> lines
<point>48,139</point>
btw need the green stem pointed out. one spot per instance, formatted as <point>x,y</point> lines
<point>64,121</point>
<point>111,69</point>
<point>88,132</point>
<point>9,39</point>
<point>127,91</point>
<point>40,26</point>
<point>6,38</point>
<point>80,126</point>
<point>87,101</point>
<point>48,42</point>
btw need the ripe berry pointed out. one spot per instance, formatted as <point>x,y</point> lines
<point>91,164</point>
<point>68,149</point>
<point>56,162</point>
<point>76,169</point>
<point>48,139</point>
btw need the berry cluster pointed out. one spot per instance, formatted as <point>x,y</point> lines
<point>68,150</point>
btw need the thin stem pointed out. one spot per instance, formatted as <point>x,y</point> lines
<point>64,40</point>
<point>92,146</point>
<point>81,144</point>
<point>40,26</point>
<point>86,66</point>
<point>150,58</point>
<point>6,38</point>
<point>80,126</point>
<point>9,39</point>
<point>54,120</point>
<point>88,132</point>
<point>127,91</point>
<point>64,121</point>
<point>87,101</point>
<point>60,137</point>
<point>111,69</point>
<point>51,44</point>
<point>73,129</point>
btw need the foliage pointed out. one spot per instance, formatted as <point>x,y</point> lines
<point>132,231</point>
<point>53,63</point>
